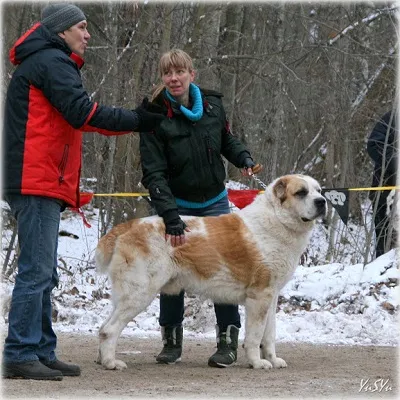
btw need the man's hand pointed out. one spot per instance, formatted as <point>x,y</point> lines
<point>150,116</point>
<point>250,167</point>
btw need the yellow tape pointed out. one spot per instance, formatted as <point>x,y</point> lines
<point>377,188</point>
<point>121,194</point>
<point>261,191</point>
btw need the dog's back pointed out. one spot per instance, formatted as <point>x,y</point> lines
<point>216,249</point>
<point>135,233</point>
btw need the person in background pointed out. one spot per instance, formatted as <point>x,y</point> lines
<point>46,110</point>
<point>382,147</point>
<point>184,172</point>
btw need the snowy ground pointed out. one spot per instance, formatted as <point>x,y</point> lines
<point>334,303</point>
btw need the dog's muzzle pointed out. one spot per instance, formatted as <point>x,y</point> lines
<point>320,205</point>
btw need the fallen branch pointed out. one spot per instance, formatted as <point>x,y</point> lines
<point>64,268</point>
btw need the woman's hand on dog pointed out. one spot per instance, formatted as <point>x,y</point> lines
<point>175,231</point>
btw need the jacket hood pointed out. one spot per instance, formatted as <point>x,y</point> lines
<point>36,39</point>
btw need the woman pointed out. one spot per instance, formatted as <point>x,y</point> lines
<point>184,173</point>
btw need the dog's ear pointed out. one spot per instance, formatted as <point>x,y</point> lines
<point>279,189</point>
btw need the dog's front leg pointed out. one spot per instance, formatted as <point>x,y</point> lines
<point>256,316</point>
<point>268,340</point>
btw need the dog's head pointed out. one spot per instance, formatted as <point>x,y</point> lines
<point>300,197</point>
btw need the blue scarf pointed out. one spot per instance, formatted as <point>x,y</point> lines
<point>197,110</point>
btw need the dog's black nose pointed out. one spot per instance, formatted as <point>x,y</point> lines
<point>320,202</point>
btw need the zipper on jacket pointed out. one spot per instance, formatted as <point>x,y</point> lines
<point>209,148</point>
<point>63,164</point>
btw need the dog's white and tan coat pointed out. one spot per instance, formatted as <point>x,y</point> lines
<point>239,258</point>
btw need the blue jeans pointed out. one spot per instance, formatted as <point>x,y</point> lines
<point>172,307</point>
<point>30,333</point>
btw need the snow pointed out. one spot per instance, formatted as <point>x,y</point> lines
<point>338,303</point>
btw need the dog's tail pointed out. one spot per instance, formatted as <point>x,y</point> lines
<point>106,246</point>
<point>104,252</point>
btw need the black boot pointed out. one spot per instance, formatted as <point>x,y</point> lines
<point>66,369</point>
<point>31,370</point>
<point>227,344</point>
<point>172,350</point>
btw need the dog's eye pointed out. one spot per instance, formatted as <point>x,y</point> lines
<point>302,193</point>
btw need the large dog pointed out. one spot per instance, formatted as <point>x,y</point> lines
<point>239,258</point>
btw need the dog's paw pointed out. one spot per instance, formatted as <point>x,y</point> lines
<point>120,365</point>
<point>260,364</point>
<point>115,364</point>
<point>278,363</point>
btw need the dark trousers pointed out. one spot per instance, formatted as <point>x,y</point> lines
<point>30,333</point>
<point>172,307</point>
<point>381,221</point>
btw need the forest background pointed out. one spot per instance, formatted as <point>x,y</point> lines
<point>303,83</point>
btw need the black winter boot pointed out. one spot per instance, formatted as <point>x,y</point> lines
<point>172,350</point>
<point>30,370</point>
<point>227,344</point>
<point>66,369</point>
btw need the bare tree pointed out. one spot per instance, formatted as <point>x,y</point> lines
<point>303,85</point>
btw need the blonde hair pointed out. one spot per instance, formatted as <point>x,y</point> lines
<point>174,58</point>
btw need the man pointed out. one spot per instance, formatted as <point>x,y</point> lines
<point>46,111</point>
<point>382,148</point>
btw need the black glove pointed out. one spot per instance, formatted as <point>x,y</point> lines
<point>150,116</point>
<point>175,227</point>
<point>173,224</point>
<point>249,163</point>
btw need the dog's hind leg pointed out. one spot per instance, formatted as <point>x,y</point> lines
<point>126,308</point>
<point>268,340</point>
<point>100,330</point>
<point>256,317</point>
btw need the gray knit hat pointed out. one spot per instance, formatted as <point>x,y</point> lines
<point>59,17</point>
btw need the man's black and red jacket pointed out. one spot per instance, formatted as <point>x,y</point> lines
<point>46,111</point>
